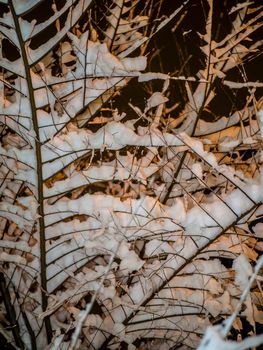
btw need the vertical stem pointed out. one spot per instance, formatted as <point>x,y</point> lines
<point>10,312</point>
<point>39,172</point>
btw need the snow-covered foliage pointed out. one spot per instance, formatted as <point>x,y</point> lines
<point>135,221</point>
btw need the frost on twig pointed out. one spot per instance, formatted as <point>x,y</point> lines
<point>214,336</point>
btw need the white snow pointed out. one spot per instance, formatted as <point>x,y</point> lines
<point>17,259</point>
<point>213,339</point>
<point>260,116</point>
<point>155,100</point>
<point>243,271</point>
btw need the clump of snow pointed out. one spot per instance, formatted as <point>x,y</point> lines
<point>228,144</point>
<point>129,259</point>
<point>243,271</point>
<point>260,116</point>
<point>197,170</point>
<point>17,259</point>
<point>152,76</point>
<point>155,100</point>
